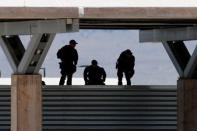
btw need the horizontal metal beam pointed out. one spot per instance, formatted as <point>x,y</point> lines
<point>141,17</point>
<point>170,34</point>
<point>146,13</point>
<point>38,27</point>
<point>106,18</point>
<point>34,13</point>
<point>127,24</point>
<point>142,13</point>
<point>95,17</point>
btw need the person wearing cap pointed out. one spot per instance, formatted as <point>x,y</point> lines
<point>125,64</point>
<point>94,74</point>
<point>69,58</point>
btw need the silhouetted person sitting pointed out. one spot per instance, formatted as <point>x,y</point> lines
<point>69,58</point>
<point>125,64</point>
<point>94,75</point>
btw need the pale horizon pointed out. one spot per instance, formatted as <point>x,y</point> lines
<point>80,81</point>
<point>98,3</point>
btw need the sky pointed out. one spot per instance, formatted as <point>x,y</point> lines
<point>99,3</point>
<point>152,66</point>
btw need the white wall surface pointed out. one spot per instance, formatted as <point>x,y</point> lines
<point>98,3</point>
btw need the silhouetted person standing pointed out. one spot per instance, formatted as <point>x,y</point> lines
<point>94,74</point>
<point>125,64</point>
<point>69,58</point>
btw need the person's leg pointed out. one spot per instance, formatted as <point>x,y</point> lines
<point>69,79</point>
<point>120,75</point>
<point>128,77</point>
<point>100,82</point>
<point>91,83</point>
<point>62,79</point>
<point>87,82</point>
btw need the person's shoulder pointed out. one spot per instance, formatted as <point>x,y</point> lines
<point>122,54</point>
<point>64,47</point>
<point>132,56</point>
<point>101,68</point>
<point>88,67</point>
<point>75,49</point>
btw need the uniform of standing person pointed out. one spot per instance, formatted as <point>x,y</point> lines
<point>125,65</point>
<point>94,74</point>
<point>69,58</point>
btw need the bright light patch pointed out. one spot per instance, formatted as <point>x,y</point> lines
<point>99,3</point>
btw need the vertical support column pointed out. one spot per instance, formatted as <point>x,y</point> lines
<point>26,103</point>
<point>187,105</point>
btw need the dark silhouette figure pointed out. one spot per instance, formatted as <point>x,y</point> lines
<point>125,64</point>
<point>94,74</point>
<point>69,58</point>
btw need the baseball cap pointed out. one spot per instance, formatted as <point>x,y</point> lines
<point>73,42</point>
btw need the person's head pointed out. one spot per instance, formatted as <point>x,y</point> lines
<point>94,62</point>
<point>73,43</point>
<point>128,51</point>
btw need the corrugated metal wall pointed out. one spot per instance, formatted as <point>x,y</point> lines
<point>77,108</point>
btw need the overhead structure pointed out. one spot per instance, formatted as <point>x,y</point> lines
<point>173,41</point>
<point>186,66</point>
<point>26,98</point>
<point>107,17</point>
<point>167,21</point>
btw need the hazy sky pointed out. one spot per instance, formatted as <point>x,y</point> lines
<point>153,65</point>
<point>100,3</point>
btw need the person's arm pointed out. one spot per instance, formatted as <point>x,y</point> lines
<point>104,74</point>
<point>76,57</point>
<point>118,61</point>
<point>85,75</point>
<point>133,62</point>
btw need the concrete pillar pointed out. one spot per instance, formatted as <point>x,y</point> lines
<point>26,103</point>
<point>187,105</point>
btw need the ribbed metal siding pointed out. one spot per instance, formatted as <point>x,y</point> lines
<point>144,108</point>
